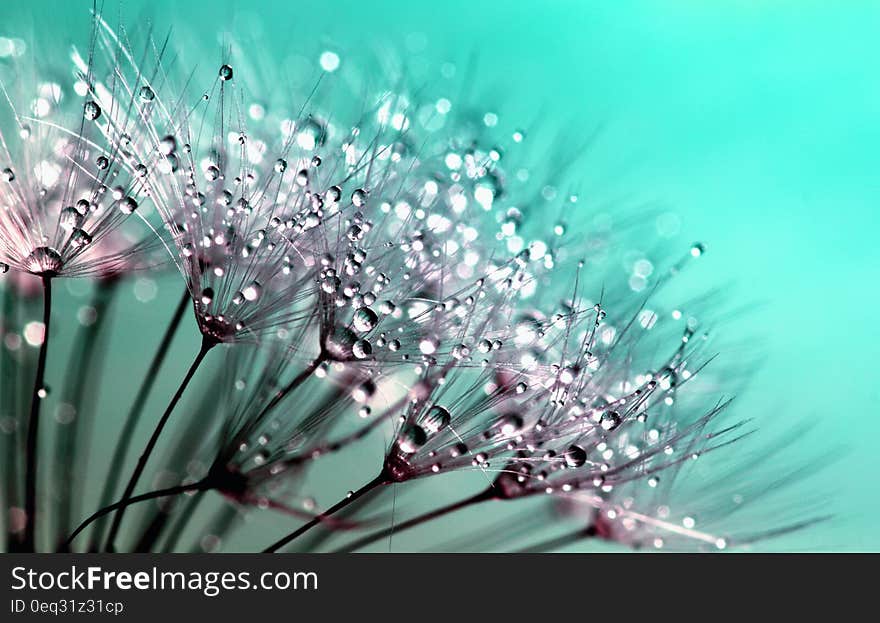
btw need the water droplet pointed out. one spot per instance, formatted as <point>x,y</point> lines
<point>280,165</point>
<point>610,420</point>
<point>365,319</point>
<point>102,162</point>
<point>70,219</point>
<point>575,456</point>
<point>79,238</point>
<point>8,174</point>
<point>510,424</point>
<point>698,249</point>
<point>359,198</point>
<point>253,291</point>
<point>91,110</point>
<point>128,205</point>
<point>43,260</point>
<point>362,349</point>
<point>436,419</point>
<point>207,296</point>
<point>147,94</point>
<point>411,439</point>
<point>168,145</point>
<point>226,72</point>
<point>212,173</point>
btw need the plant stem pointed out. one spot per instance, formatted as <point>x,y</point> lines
<point>134,415</point>
<point>377,481</point>
<point>160,493</point>
<point>482,496</point>
<point>33,430</point>
<point>207,345</point>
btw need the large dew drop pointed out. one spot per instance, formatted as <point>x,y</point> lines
<point>365,319</point>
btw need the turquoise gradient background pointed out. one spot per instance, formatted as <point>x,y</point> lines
<point>757,122</point>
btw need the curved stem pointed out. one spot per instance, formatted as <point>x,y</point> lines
<point>202,485</point>
<point>134,414</point>
<point>207,345</point>
<point>482,496</point>
<point>377,481</point>
<point>33,432</point>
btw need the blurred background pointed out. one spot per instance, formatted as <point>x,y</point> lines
<point>755,122</point>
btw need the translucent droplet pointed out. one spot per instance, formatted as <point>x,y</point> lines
<point>610,420</point>
<point>91,111</point>
<point>436,419</point>
<point>698,249</point>
<point>207,296</point>
<point>411,439</point>
<point>147,94</point>
<point>70,219</point>
<point>280,165</point>
<point>8,174</point>
<point>359,198</point>
<point>226,72</point>
<point>43,260</point>
<point>510,424</point>
<point>365,319</point>
<point>362,349</point>
<point>575,456</point>
<point>253,291</point>
<point>168,145</point>
<point>128,205</point>
<point>79,238</point>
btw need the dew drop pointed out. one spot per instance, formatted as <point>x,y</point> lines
<point>253,291</point>
<point>226,72</point>
<point>91,111</point>
<point>575,456</point>
<point>362,349</point>
<point>70,219</point>
<point>207,296</point>
<point>365,319</point>
<point>79,238</point>
<point>436,419</point>
<point>43,260</point>
<point>128,205</point>
<point>411,439</point>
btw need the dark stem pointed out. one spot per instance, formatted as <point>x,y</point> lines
<point>79,392</point>
<point>207,345</point>
<point>152,495</point>
<point>134,415</point>
<point>560,541</point>
<point>33,430</point>
<point>482,496</point>
<point>377,481</point>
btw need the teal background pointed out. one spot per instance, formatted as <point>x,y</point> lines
<point>756,122</point>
